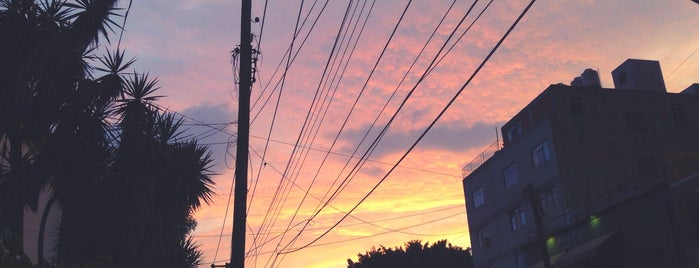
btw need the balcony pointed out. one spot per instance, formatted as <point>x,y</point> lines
<point>477,161</point>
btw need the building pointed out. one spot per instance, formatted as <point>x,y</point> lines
<point>601,163</point>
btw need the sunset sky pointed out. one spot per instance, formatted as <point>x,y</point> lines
<point>187,44</point>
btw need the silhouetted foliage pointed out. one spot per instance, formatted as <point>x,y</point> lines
<point>126,182</point>
<point>415,255</point>
<point>45,92</point>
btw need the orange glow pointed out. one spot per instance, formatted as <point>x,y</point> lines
<point>187,46</point>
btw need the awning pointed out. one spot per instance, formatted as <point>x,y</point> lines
<point>554,259</point>
<point>575,253</point>
<point>583,251</point>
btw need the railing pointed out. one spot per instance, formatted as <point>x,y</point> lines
<point>600,203</point>
<point>477,161</point>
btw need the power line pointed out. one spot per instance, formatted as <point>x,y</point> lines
<point>283,78</point>
<point>352,156</point>
<point>387,232</point>
<point>399,229</point>
<point>123,25</point>
<point>476,71</point>
<point>363,222</point>
<point>683,62</point>
<point>319,122</point>
<point>373,145</point>
<point>303,42</point>
<point>223,225</point>
<point>331,206</point>
<point>291,163</point>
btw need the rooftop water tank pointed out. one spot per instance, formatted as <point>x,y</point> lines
<point>590,78</point>
<point>577,82</point>
<point>635,74</point>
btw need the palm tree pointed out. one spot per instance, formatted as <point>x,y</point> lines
<point>162,180</point>
<point>80,162</point>
<point>127,190</point>
<point>42,59</point>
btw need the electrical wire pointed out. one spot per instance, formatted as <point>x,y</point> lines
<point>281,187</point>
<point>363,222</point>
<point>388,232</point>
<point>342,211</point>
<point>313,180</point>
<point>463,87</point>
<point>283,79</point>
<point>362,160</point>
<point>353,155</point>
<point>682,63</point>
<point>400,229</point>
<point>223,225</point>
<point>276,70</point>
<point>123,25</point>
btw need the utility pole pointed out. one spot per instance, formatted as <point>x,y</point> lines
<point>538,212</point>
<point>241,159</point>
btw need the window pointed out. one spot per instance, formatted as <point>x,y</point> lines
<point>483,238</point>
<point>518,219</point>
<point>511,176</point>
<point>521,260</point>
<point>478,197</point>
<point>514,131</point>
<point>550,200</point>
<point>541,154</point>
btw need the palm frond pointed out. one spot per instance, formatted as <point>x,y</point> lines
<point>168,127</point>
<point>55,11</point>
<point>115,63</point>
<point>192,165</point>
<point>192,254</point>
<point>92,18</point>
<point>140,87</point>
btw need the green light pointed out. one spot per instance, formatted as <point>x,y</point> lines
<point>594,221</point>
<point>551,242</point>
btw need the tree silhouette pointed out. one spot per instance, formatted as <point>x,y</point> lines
<point>415,255</point>
<point>43,67</point>
<point>161,179</point>
<point>127,183</point>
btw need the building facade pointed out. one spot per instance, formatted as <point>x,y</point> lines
<point>600,162</point>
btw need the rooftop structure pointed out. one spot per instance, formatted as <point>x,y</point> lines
<point>600,161</point>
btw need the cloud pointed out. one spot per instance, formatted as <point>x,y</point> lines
<point>212,125</point>
<point>450,136</point>
<point>186,44</point>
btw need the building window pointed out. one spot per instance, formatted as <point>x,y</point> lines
<point>635,121</point>
<point>514,131</point>
<point>483,238</point>
<point>521,260</point>
<point>577,106</point>
<point>478,197</point>
<point>541,154</point>
<point>518,219</point>
<point>550,200</point>
<point>511,176</point>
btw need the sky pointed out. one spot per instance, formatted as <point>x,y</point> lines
<point>187,44</point>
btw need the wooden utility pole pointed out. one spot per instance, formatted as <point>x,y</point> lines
<point>241,159</point>
<point>538,212</point>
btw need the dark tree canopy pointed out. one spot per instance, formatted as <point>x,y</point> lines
<point>126,181</point>
<point>414,255</point>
